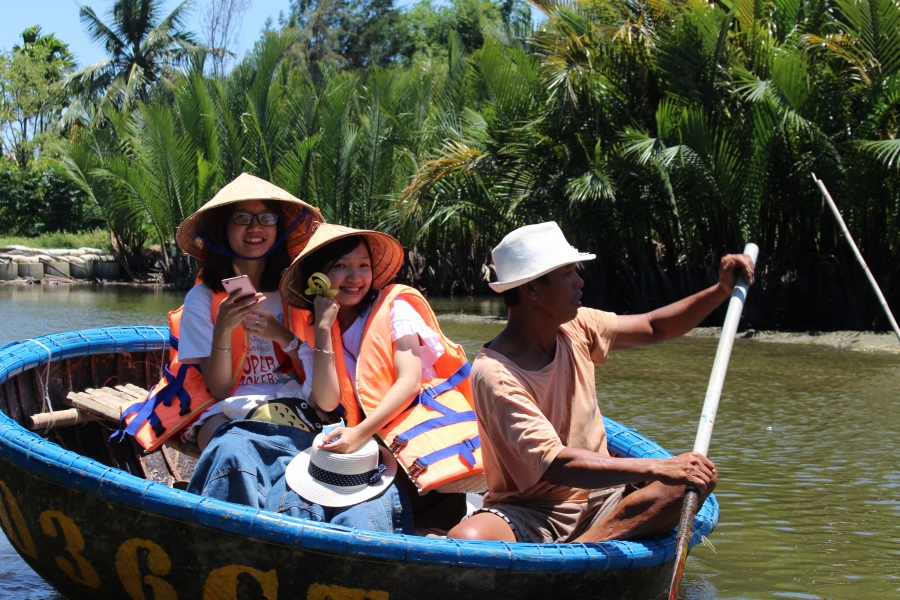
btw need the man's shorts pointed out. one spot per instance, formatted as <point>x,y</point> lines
<point>560,523</point>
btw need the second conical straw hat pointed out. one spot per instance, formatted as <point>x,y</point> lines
<point>385,252</point>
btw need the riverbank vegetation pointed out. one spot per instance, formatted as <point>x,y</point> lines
<point>97,239</point>
<point>659,135</point>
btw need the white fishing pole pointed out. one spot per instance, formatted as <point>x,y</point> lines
<point>826,197</point>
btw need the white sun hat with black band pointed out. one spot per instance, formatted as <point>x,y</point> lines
<point>528,252</point>
<point>338,480</point>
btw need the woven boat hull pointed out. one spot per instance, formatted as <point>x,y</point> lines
<point>93,530</point>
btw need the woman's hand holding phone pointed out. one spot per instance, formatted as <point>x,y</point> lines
<point>233,310</point>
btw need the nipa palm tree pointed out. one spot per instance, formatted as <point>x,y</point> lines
<point>143,47</point>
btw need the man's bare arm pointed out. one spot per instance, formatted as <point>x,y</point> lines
<point>680,317</point>
<point>591,470</point>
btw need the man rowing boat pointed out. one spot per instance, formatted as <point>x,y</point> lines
<point>550,475</point>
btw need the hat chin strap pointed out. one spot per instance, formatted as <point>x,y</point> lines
<point>215,248</point>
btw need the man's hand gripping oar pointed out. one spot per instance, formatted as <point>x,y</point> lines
<point>708,418</point>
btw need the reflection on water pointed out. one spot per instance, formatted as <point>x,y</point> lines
<point>806,443</point>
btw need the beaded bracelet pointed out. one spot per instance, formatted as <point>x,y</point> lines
<point>222,350</point>
<point>324,351</point>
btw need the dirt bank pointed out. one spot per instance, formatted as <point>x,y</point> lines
<point>857,341</point>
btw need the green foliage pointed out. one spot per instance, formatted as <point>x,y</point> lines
<point>144,47</point>
<point>427,25</point>
<point>38,200</point>
<point>98,239</point>
<point>31,98</point>
<point>348,33</point>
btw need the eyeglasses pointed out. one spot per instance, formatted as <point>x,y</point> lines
<point>245,218</point>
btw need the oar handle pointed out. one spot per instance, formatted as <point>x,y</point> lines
<point>723,354</point>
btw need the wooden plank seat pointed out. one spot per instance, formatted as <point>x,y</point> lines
<point>106,404</point>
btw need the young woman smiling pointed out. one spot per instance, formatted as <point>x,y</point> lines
<point>226,345</point>
<point>377,355</point>
<point>348,264</point>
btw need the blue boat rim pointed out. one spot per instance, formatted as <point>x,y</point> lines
<point>44,459</point>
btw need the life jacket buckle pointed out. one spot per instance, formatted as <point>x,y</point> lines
<point>397,445</point>
<point>417,469</point>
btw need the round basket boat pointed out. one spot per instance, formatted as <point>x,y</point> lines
<point>100,520</point>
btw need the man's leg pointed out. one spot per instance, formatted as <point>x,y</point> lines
<point>483,526</point>
<point>647,512</point>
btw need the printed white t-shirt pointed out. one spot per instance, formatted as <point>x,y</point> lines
<point>404,321</point>
<point>260,376</point>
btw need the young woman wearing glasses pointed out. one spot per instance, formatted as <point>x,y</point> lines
<point>251,237</point>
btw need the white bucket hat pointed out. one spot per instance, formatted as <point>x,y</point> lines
<point>338,480</point>
<point>531,251</point>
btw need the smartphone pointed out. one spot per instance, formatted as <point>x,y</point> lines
<point>242,283</point>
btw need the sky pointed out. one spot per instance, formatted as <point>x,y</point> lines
<point>61,18</point>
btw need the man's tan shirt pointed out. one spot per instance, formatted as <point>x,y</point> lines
<point>526,418</point>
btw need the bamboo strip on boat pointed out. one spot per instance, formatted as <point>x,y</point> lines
<point>100,397</point>
<point>173,467</point>
<point>111,397</point>
<point>87,404</point>
<point>60,418</point>
<point>133,391</point>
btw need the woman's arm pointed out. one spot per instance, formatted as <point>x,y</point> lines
<point>326,389</point>
<point>216,367</point>
<point>408,370</point>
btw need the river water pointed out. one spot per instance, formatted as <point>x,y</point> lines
<point>806,444</point>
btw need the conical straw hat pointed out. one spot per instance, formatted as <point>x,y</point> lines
<point>248,187</point>
<point>386,254</point>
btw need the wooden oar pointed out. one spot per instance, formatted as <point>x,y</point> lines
<point>708,418</point>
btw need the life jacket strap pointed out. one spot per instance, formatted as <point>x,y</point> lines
<point>465,450</point>
<point>428,397</point>
<point>451,382</point>
<point>145,410</point>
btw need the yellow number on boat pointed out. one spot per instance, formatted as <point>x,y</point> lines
<point>222,584</point>
<point>129,570</point>
<point>74,546</point>
<point>14,523</point>
<point>317,591</point>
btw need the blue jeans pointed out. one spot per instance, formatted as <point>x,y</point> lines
<point>245,463</point>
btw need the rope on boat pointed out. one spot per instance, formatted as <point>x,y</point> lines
<point>162,359</point>
<point>44,384</point>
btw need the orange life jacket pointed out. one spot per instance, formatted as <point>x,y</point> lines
<point>301,321</point>
<point>157,418</point>
<point>435,439</point>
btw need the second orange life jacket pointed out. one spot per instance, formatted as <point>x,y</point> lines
<point>435,439</point>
